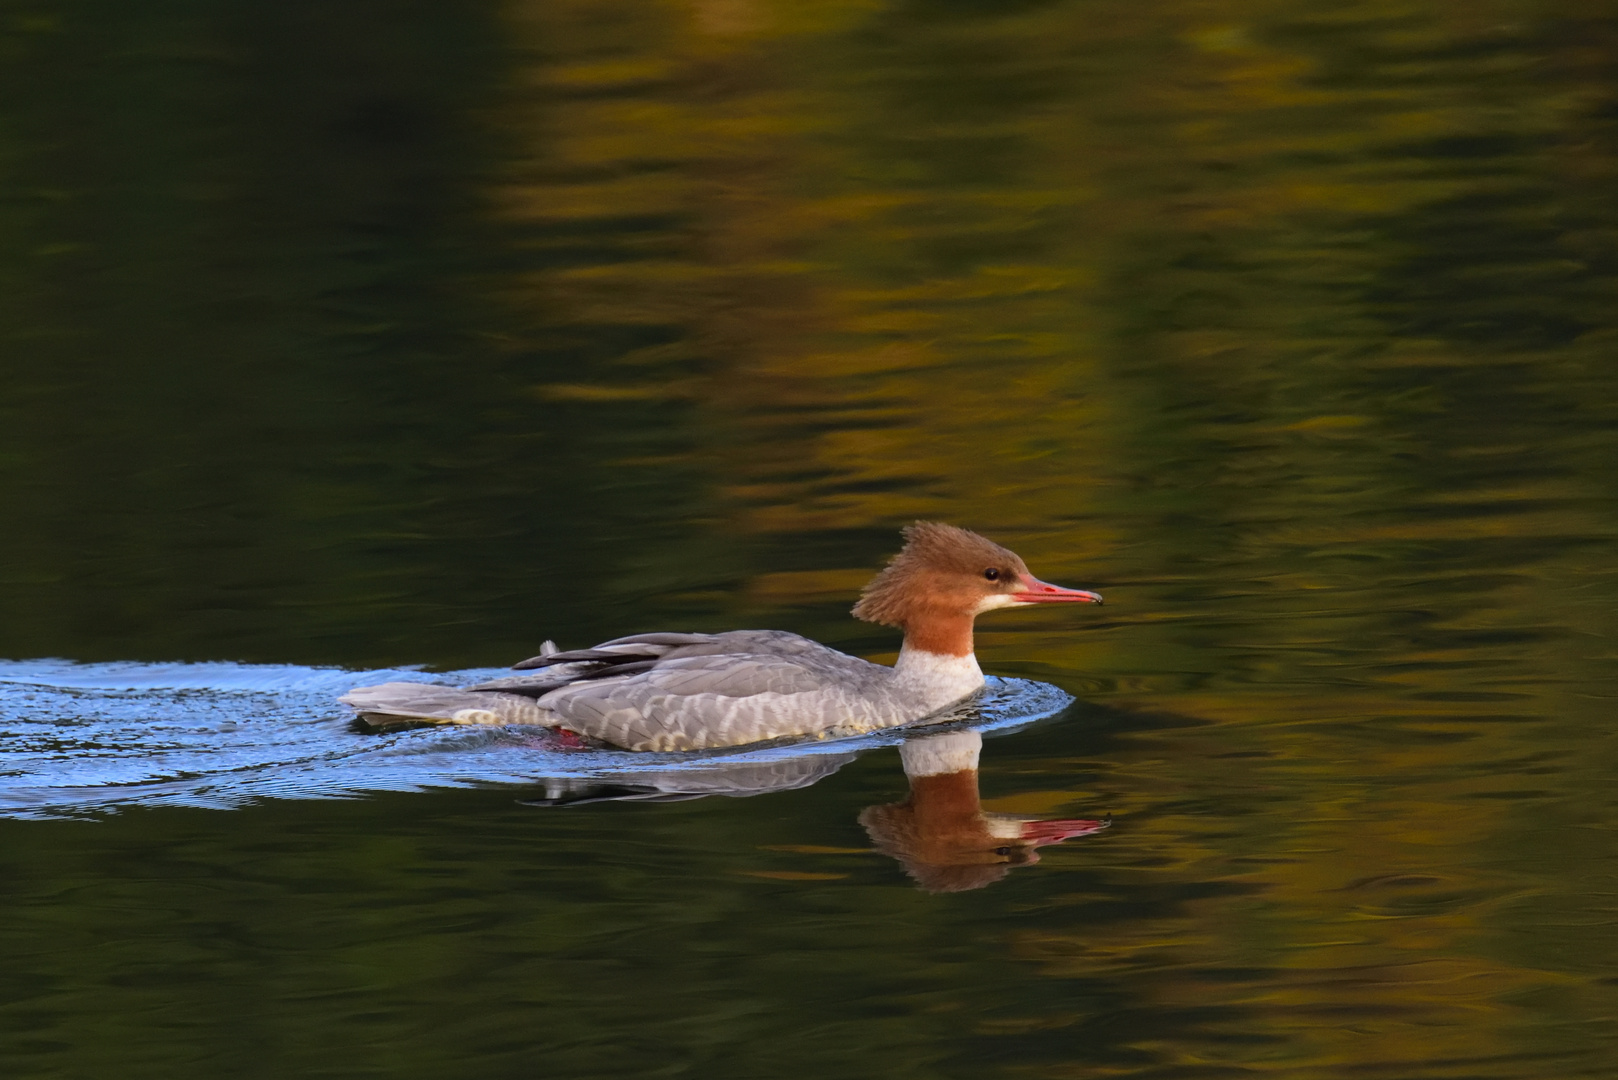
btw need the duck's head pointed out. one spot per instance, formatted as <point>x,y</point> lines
<point>946,573</point>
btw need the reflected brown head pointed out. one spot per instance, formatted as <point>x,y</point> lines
<point>946,842</point>
<point>942,857</point>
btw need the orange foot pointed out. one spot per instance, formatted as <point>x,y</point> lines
<point>570,740</point>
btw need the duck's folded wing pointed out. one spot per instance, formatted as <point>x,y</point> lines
<point>618,650</point>
<point>672,646</point>
<point>699,702</point>
<point>543,682</point>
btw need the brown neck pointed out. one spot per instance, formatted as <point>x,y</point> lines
<point>937,632</point>
<point>948,798</point>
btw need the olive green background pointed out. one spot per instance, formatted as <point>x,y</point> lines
<point>394,332</point>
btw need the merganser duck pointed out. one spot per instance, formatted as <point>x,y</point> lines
<point>941,834</point>
<point>675,692</point>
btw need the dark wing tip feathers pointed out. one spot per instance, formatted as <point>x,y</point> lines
<point>597,655</point>
<point>617,650</point>
<point>665,637</point>
<point>607,671</point>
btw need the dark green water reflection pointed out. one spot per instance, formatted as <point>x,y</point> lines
<point>389,333</point>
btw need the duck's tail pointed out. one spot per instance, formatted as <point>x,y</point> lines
<point>389,703</point>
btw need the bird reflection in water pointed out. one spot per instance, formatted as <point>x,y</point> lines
<point>940,833</point>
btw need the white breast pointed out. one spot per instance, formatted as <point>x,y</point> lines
<point>936,679</point>
<point>941,755</point>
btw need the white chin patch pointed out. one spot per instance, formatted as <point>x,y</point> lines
<point>1004,826</point>
<point>998,600</point>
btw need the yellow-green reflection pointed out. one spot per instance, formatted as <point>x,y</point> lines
<point>1274,317</point>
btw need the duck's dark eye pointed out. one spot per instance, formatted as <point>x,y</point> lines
<point>1002,851</point>
<point>992,574</point>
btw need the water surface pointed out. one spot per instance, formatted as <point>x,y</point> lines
<point>87,738</point>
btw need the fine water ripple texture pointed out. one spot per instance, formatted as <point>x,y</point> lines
<point>84,738</point>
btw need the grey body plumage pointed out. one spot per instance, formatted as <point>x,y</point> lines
<point>677,692</point>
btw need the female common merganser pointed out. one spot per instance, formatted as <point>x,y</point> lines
<point>669,692</point>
